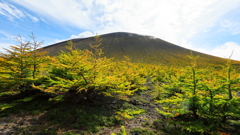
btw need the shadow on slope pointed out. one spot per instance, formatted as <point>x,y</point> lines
<point>40,114</point>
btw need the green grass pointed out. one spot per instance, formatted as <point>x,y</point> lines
<point>26,99</point>
<point>7,93</point>
<point>4,106</point>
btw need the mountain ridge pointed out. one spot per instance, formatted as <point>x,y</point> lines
<point>139,48</point>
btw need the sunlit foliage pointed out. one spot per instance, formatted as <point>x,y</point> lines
<point>204,94</point>
<point>89,73</point>
<point>21,63</point>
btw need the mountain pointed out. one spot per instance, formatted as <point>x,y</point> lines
<point>139,48</point>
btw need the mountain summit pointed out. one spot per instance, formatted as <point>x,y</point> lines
<point>139,48</point>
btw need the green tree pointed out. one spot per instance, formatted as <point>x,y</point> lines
<point>89,73</point>
<point>21,63</point>
<point>16,62</point>
<point>37,57</point>
<point>206,96</point>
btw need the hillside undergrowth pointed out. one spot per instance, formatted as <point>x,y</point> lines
<point>87,91</point>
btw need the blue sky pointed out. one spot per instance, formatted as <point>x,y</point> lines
<point>208,26</point>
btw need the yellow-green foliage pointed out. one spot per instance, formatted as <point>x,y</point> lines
<point>4,106</point>
<point>21,63</point>
<point>87,71</point>
<point>210,93</point>
<point>122,132</point>
<point>57,98</point>
<point>16,62</point>
<point>128,113</point>
<point>204,93</point>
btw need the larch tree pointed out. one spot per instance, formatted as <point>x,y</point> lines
<point>20,63</point>
<point>15,62</point>
<point>37,57</point>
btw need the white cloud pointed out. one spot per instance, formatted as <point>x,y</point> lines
<point>224,50</point>
<point>71,12</point>
<point>176,21</point>
<point>11,12</point>
<point>4,45</point>
<point>172,20</point>
<point>184,43</point>
<point>58,41</point>
<point>83,35</point>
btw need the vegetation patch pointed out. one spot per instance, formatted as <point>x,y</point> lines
<point>141,131</point>
<point>91,93</point>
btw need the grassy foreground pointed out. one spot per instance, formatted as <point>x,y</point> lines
<point>83,92</point>
<point>39,114</point>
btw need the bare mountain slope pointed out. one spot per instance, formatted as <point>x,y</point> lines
<point>139,48</point>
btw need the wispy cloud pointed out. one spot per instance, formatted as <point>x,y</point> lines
<point>230,26</point>
<point>174,20</point>
<point>12,12</point>
<point>33,18</point>
<point>6,35</point>
<point>10,39</point>
<point>71,12</point>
